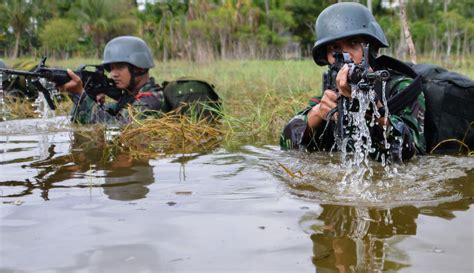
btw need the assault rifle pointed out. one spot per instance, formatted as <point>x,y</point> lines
<point>93,78</point>
<point>359,75</point>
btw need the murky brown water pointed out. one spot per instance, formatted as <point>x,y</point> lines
<point>63,208</point>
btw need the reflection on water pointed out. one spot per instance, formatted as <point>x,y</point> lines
<point>353,239</point>
<point>365,239</point>
<point>362,224</point>
<point>90,162</point>
<point>99,210</point>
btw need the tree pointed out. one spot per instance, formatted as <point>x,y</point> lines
<point>18,14</point>
<point>406,31</point>
<point>103,19</point>
<point>59,36</point>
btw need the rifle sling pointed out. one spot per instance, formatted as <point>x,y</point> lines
<point>408,95</point>
<point>124,100</point>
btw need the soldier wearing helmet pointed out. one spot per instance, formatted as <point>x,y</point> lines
<point>348,28</point>
<point>128,60</point>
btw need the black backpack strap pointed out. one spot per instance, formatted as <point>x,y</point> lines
<point>124,100</point>
<point>407,95</point>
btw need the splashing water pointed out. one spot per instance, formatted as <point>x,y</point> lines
<point>3,106</point>
<point>356,145</point>
<point>422,180</point>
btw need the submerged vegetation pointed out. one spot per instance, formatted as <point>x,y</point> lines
<point>170,134</point>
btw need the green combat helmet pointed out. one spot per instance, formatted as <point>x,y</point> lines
<point>344,20</point>
<point>128,49</point>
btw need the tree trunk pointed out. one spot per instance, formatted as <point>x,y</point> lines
<point>222,37</point>
<point>433,40</point>
<point>17,45</point>
<point>445,5</point>
<point>369,5</point>
<point>267,13</point>
<point>402,46</point>
<point>449,43</point>
<point>465,45</point>
<point>406,31</point>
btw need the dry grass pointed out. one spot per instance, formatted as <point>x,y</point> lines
<point>23,108</point>
<point>170,134</point>
<point>17,109</point>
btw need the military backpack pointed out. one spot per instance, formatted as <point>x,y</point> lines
<point>192,96</point>
<point>449,114</point>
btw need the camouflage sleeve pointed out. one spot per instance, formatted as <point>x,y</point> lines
<point>82,110</point>
<point>151,103</point>
<point>296,133</point>
<point>88,111</point>
<point>405,135</point>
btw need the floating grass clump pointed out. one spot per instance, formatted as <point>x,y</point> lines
<point>17,108</point>
<point>172,133</point>
<point>21,108</point>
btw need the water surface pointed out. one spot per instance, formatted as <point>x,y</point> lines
<point>67,205</point>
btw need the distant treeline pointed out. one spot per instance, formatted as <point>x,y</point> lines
<point>218,29</point>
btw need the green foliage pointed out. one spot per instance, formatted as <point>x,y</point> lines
<point>17,14</point>
<point>391,26</point>
<point>59,35</point>
<point>102,20</point>
<point>204,30</point>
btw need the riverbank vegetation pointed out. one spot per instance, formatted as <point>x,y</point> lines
<point>210,30</point>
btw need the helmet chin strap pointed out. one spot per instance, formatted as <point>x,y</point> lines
<point>373,53</point>
<point>134,72</point>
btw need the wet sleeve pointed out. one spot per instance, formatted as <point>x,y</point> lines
<point>405,135</point>
<point>83,108</point>
<point>293,133</point>
<point>297,135</point>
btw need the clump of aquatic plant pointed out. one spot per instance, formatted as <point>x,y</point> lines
<point>19,108</point>
<point>169,134</point>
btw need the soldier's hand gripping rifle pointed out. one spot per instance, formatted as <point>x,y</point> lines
<point>359,75</point>
<point>93,78</point>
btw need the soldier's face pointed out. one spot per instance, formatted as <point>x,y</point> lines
<point>353,46</point>
<point>120,74</point>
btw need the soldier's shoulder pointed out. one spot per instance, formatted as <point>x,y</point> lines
<point>398,80</point>
<point>151,86</point>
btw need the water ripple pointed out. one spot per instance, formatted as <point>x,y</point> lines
<point>321,177</point>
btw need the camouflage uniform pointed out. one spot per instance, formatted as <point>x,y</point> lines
<point>148,102</point>
<point>405,133</point>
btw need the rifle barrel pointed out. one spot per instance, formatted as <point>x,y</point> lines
<point>19,72</point>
